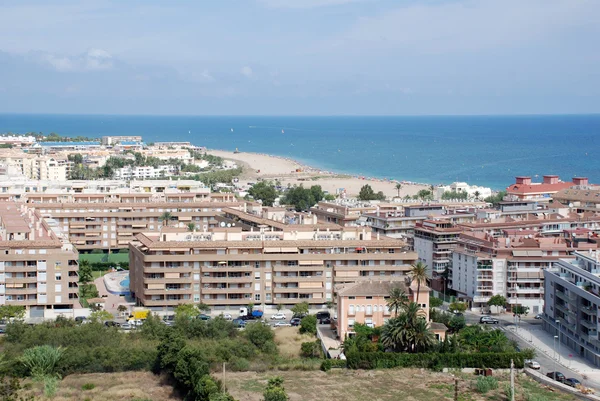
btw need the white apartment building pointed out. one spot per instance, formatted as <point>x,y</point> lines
<point>145,172</point>
<point>463,187</point>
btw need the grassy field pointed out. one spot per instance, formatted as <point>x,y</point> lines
<point>289,341</point>
<point>103,257</point>
<point>382,385</point>
<point>128,386</point>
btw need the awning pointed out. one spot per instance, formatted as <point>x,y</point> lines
<point>272,250</point>
<point>289,250</point>
<point>222,263</point>
<point>185,218</point>
<point>310,262</point>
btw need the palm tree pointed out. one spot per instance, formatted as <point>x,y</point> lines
<point>191,227</point>
<point>421,337</point>
<point>477,194</point>
<point>398,188</point>
<point>397,300</point>
<point>165,218</point>
<point>413,311</point>
<point>418,273</point>
<point>395,332</point>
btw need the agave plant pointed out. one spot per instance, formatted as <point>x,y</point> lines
<point>42,361</point>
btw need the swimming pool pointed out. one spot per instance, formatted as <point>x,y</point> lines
<point>125,283</point>
<point>117,282</point>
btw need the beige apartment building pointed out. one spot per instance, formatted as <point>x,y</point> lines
<point>230,267</point>
<point>38,264</point>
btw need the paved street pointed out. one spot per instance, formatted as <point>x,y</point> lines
<point>530,334</point>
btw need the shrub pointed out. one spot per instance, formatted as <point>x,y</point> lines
<point>42,361</point>
<point>328,364</point>
<point>311,349</point>
<point>275,390</point>
<point>308,324</point>
<point>508,391</point>
<point>373,360</point>
<point>485,384</point>
<point>239,364</point>
<point>88,386</point>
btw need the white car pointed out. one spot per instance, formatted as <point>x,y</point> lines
<point>531,364</point>
<point>227,316</point>
<point>278,316</point>
<point>282,324</point>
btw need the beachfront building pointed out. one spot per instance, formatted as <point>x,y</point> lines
<point>484,265</point>
<point>472,191</point>
<point>434,241</point>
<point>572,303</point>
<point>38,264</point>
<point>113,140</point>
<point>525,189</point>
<point>365,302</point>
<point>228,267</point>
<point>145,172</point>
<point>18,141</point>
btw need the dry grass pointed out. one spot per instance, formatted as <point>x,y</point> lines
<point>128,386</point>
<point>288,341</point>
<point>377,385</point>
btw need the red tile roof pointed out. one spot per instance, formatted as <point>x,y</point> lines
<point>538,188</point>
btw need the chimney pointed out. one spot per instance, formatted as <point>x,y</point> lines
<point>550,179</point>
<point>580,181</point>
<point>523,180</point>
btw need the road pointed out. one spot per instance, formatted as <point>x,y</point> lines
<point>530,325</point>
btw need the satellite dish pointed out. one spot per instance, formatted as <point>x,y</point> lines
<point>222,224</point>
<point>233,224</point>
<point>229,225</point>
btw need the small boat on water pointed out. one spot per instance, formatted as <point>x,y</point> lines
<point>282,131</point>
<point>232,130</point>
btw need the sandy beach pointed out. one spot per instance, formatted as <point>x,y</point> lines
<point>288,171</point>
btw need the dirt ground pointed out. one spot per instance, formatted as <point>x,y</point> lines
<point>379,385</point>
<point>289,340</point>
<point>127,386</point>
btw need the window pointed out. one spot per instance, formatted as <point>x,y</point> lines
<point>257,275</point>
<point>257,297</point>
<point>351,310</point>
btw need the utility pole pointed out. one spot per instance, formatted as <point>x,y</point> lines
<point>512,380</point>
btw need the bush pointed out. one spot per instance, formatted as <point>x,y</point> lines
<point>374,360</point>
<point>328,364</point>
<point>88,386</point>
<point>308,324</point>
<point>311,349</point>
<point>486,383</point>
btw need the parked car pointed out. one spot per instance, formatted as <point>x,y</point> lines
<point>326,320</point>
<point>278,316</point>
<point>572,382</point>
<point>295,321</point>
<point>80,319</point>
<point>488,320</point>
<point>531,364</point>
<point>323,315</point>
<point>2,330</point>
<point>556,376</point>
<point>239,322</point>
<point>227,316</point>
<point>111,323</point>
<point>539,316</point>
<point>126,326</point>
<point>282,323</point>
<point>203,316</point>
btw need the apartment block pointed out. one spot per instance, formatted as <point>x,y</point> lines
<point>38,264</point>
<point>511,266</point>
<point>228,267</point>
<point>525,189</point>
<point>572,302</point>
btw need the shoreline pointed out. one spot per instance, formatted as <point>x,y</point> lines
<point>290,171</point>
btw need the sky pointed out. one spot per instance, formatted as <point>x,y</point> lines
<point>300,57</point>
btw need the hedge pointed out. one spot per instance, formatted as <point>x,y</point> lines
<point>378,360</point>
<point>327,364</point>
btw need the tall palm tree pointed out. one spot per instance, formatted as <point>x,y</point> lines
<point>477,194</point>
<point>421,337</point>
<point>413,311</point>
<point>398,188</point>
<point>418,273</point>
<point>395,333</point>
<point>165,218</point>
<point>397,300</point>
<point>191,227</point>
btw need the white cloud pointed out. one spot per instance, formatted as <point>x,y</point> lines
<point>247,72</point>
<point>92,60</point>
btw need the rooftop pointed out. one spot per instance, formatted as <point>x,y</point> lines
<point>371,288</point>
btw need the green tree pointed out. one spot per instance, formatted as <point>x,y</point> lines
<point>85,272</point>
<point>424,194</point>
<point>279,307</point>
<point>303,198</point>
<point>451,195</point>
<point>166,218</point>
<point>202,307</point>
<point>496,198</point>
<point>191,227</point>
<point>101,316</point>
<point>264,192</point>
<point>122,309</point>
<point>188,311</point>
<point>420,336</point>
<point>458,307</point>
<point>275,390</point>
<point>8,312</point>
<point>308,324</point>
<point>477,194</point>
<point>398,187</point>
<point>519,310</point>
<point>435,302</point>
<point>300,309</point>
<point>366,193</point>
<point>418,273</point>
<point>497,300</point>
<point>456,323</point>
<point>397,300</point>
<point>329,197</point>
<point>311,349</point>
<point>261,336</point>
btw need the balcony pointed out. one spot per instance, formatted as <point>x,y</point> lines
<point>588,323</point>
<point>482,266</point>
<point>218,280</point>
<point>485,288</point>
<point>526,290</point>
<point>479,298</point>
<point>485,277</point>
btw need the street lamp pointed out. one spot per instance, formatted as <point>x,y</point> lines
<point>555,337</point>
<point>558,329</point>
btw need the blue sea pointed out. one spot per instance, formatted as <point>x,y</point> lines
<point>482,150</point>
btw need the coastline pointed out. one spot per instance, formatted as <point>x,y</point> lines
<point>290,171</point>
